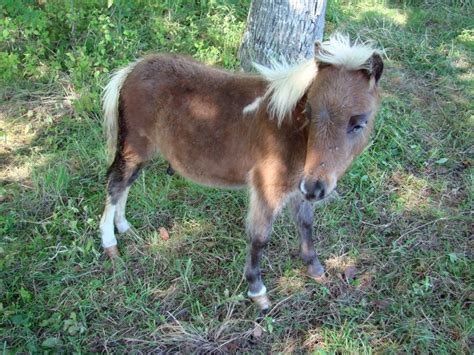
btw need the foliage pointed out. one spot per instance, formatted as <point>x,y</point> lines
<point>395,244</point>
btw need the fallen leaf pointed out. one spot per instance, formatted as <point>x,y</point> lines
<point>257,332</point>
<point>164,233</point>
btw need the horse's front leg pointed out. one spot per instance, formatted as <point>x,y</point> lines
<point>303,215</point>
<point>259,225</point>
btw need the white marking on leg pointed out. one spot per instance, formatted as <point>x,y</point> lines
<point>262,292</point>
<point>120,221</point>
<point>107,226</point>
<point>252,107</point>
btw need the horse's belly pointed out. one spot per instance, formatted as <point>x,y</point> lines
<point>221,164</point>
<point>205,144</point>
<point>210,173</point>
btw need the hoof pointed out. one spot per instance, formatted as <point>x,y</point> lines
<point>263,302</point>
<point>316,272</point>
<point>112,252</point>
<point>322,279</point>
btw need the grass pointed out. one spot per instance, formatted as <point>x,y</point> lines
<point>397,244</point>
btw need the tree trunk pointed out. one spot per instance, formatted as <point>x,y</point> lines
<point>281,30</point>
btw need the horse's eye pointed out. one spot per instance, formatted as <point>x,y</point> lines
<point>357,123</point>
<point>358,128</point>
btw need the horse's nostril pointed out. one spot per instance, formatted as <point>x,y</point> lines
<point>313,189</point>
<point>319,190</point>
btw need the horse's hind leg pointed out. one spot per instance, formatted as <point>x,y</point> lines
<point>121,174</point>
<point>132,169</point>
<point>303,215</point>
<point>120,220</point>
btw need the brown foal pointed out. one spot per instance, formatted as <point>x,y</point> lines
<point>289,133</point>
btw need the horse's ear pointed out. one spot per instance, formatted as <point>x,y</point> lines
<point>317,50</point>
<point>374,66</point>
<point>317,47</point>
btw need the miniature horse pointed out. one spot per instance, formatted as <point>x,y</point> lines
<point>289,133</point>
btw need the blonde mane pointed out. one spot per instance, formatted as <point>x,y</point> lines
<point>288,83</point>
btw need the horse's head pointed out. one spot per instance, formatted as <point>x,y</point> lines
<point>341,105</point>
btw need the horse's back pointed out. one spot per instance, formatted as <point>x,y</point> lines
<point>193,115</point>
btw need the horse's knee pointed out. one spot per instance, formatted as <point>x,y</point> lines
<point>259,241</point>
<point>116,183</point>
<point>259,233</point>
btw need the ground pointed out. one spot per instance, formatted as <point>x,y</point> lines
<point>397,243</point>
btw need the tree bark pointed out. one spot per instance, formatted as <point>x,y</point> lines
<point>281,30</point>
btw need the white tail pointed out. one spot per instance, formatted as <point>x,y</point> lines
<point>110,100</point>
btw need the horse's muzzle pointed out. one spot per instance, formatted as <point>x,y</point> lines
<point>313,190</point>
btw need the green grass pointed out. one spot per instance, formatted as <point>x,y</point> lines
<point>404,219</point>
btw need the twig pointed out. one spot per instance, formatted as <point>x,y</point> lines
<point>429,223</point>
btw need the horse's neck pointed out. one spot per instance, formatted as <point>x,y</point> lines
<point>287,140</point>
